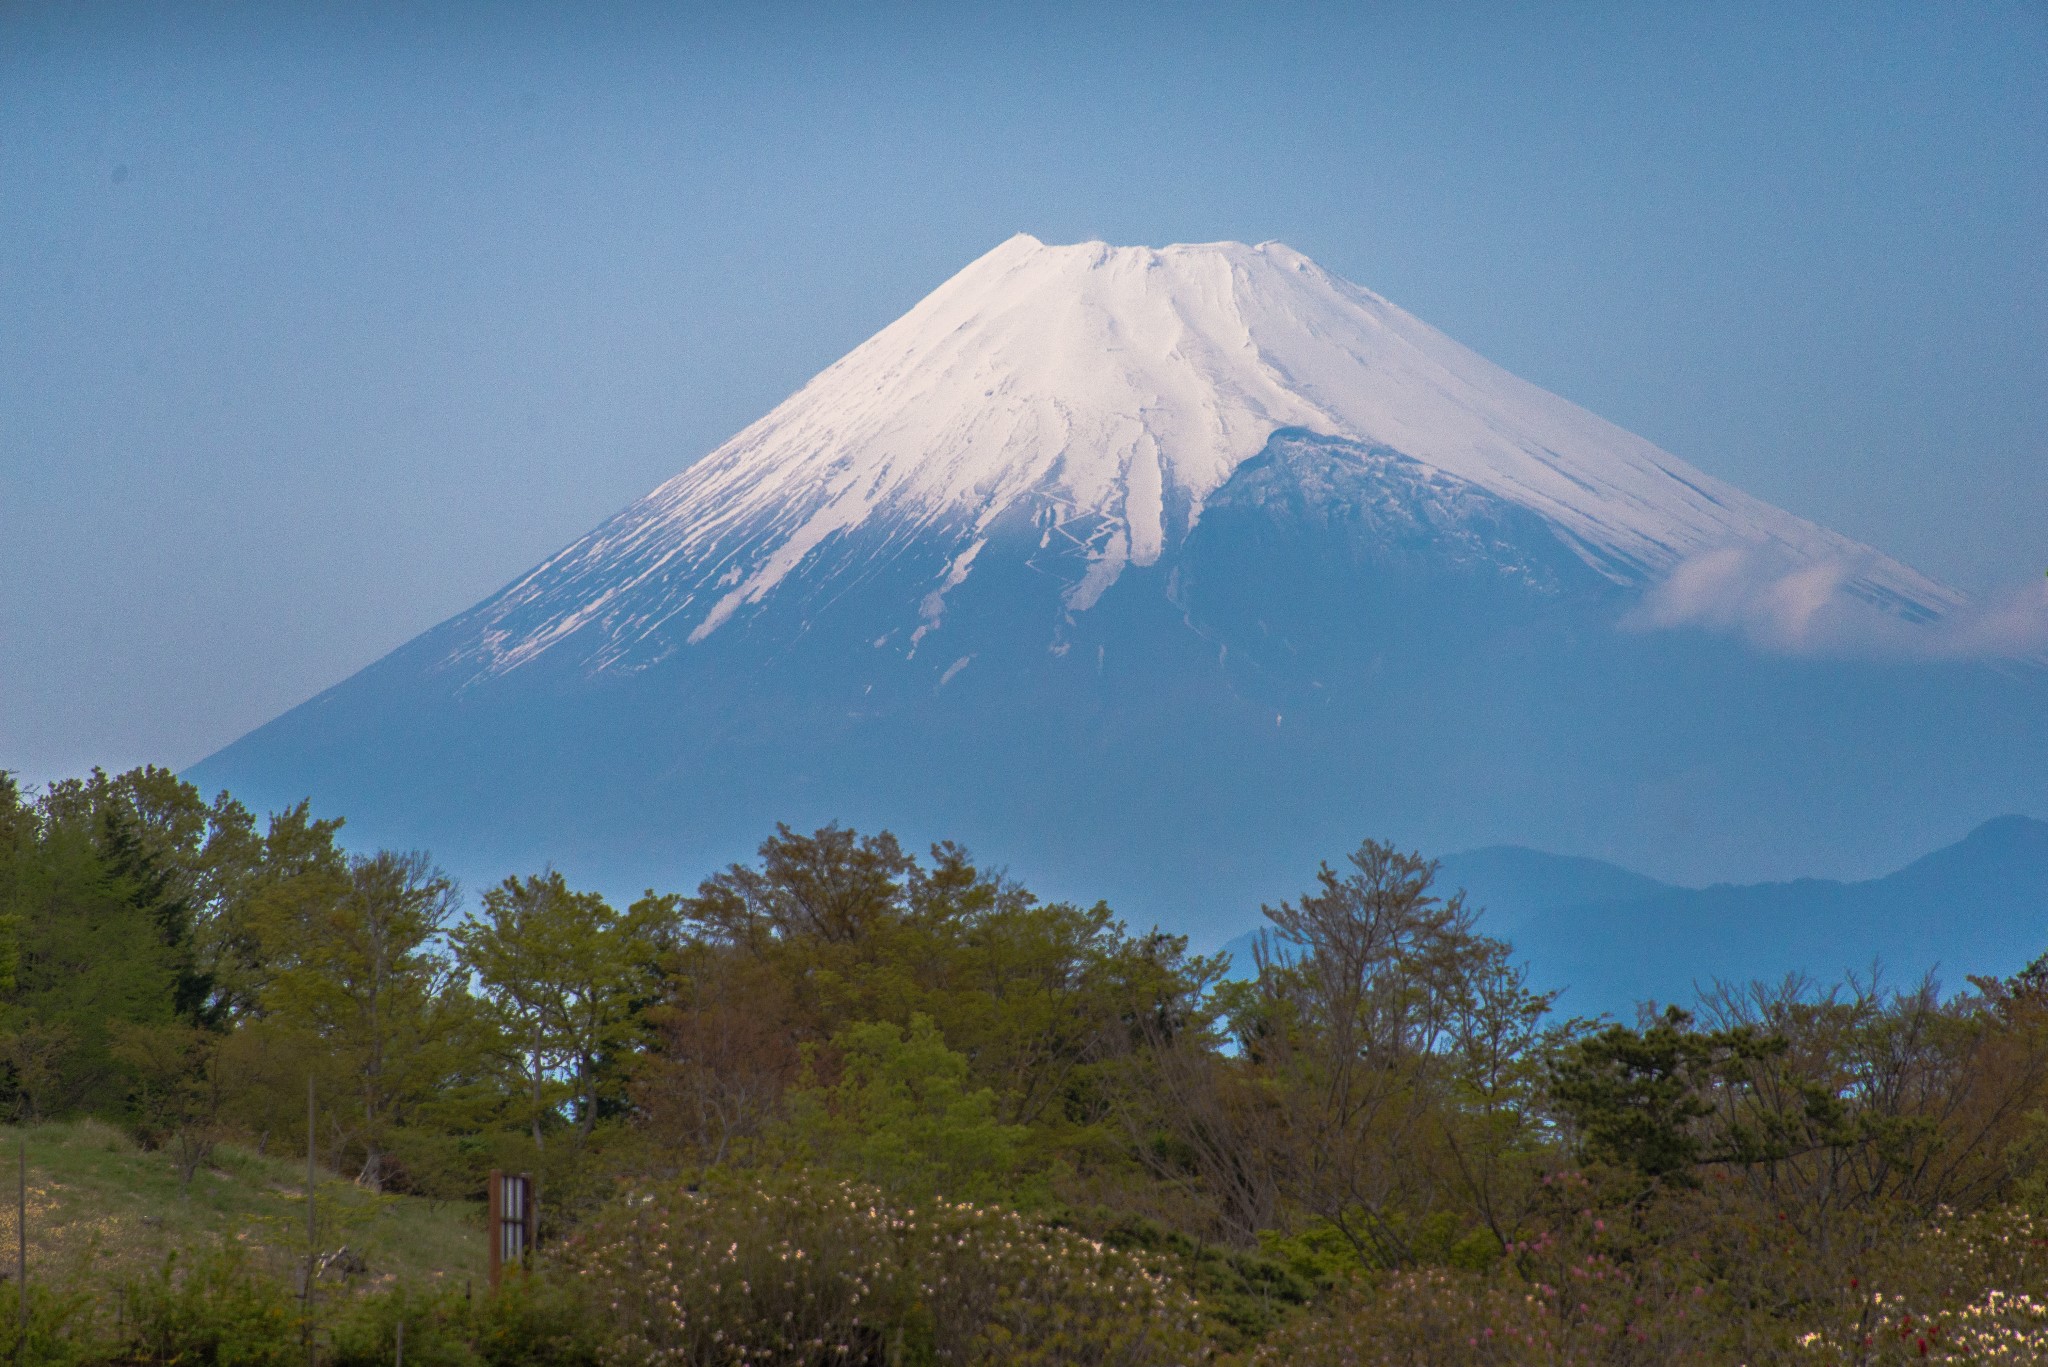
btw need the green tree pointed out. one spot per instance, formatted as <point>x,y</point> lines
<point>836,929</point>
<point>98,937</point>
<point>17,830</point>
<point>904,1115</point>
<point>1640,1098</point>
<point>566,976</point>
<point>207,868</point>
<point>253,886</point>
<point>357,969</point>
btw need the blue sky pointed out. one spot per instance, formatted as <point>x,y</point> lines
<point>316,325</point>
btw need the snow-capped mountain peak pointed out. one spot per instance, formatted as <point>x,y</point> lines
<point>1106,393</point>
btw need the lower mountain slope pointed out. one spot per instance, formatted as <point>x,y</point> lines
<point>1348,642</point>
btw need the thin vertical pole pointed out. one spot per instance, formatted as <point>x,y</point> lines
<point>21,1231</point>
<point>494,1220</point>
<point>312,1229</point>
<point>398,1358</point>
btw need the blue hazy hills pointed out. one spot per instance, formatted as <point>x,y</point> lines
<point>1609,938</point>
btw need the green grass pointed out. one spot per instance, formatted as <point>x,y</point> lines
<point>101,1208</point>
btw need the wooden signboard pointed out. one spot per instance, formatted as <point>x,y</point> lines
<point>513,1221</point>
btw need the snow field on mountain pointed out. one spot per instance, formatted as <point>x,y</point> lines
<point>1116,389</point>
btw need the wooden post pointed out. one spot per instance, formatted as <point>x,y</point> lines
<point>398,1354</point>
<point>511,1217</point>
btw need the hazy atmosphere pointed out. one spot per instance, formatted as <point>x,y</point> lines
<point>320,326</point>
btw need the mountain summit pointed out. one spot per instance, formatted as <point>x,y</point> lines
<point>1154,568</point>
<point>1097,397</point>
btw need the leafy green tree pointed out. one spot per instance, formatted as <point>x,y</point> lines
<point>836,929</point>
<point>904,1115</point>
<point>208,868</point>
<point>17,834</point>
<point>255,886</point>
<point>99,938</point>
<point>358,970</point>
<point>1639,1098</point>
<point>154,832</point>
<point>566,976</point>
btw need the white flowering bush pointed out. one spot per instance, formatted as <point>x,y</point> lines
<point>1983,1297</point>
<point>810,1272</point>
<point>1999,1327</point>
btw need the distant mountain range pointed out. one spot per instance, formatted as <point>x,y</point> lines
<point>1611,938</point>
<point>1156,575</point>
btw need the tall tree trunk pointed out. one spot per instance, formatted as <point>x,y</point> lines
<point>536,1085</point>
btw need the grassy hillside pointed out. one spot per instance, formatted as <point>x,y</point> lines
<point>100,1208</point>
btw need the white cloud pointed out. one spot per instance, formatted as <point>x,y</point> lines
<point>1818,608</point>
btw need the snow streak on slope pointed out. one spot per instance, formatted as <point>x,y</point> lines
<point>1104,393</point>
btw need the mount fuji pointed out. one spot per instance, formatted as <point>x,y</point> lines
<point>1159,574</point>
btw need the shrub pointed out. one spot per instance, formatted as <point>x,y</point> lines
<point>1588,1289</point>
<point>806,1272</point>
<point>1963,1290</point>
<point>546,1319</point>
<point>59,1329</point>
<point>1447,1317</point>
<point>219,1310</point>
<point>1242,1294</point>
<point>437,1329</point>
<point>1694,1276</point>
<point>1423,1319</point>
<point>537,1320</point>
